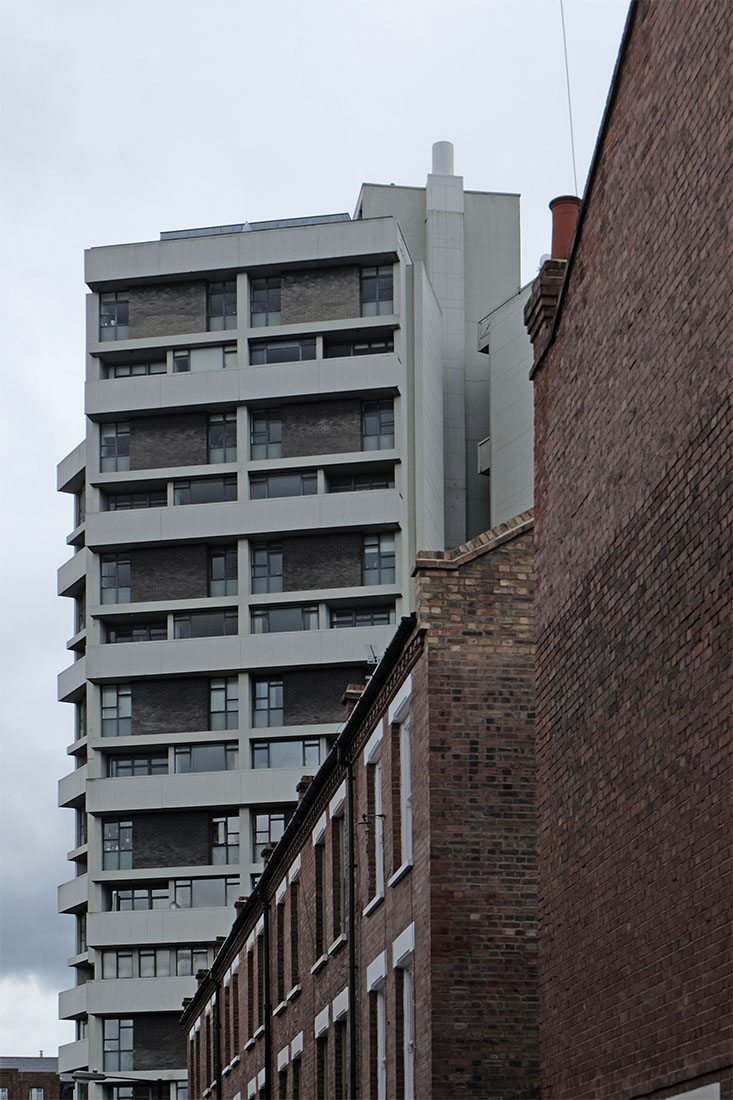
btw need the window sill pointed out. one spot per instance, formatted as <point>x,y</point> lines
<point>319,964</point>
<point>249,1044</point>
<point>260,1031</point>
<point>294,992</point>
<point>373,904</point>
<point>279,1008</point>
<point>400,873</point>
<point>337,944</point>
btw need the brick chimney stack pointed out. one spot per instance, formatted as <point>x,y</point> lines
<point>539,312</point>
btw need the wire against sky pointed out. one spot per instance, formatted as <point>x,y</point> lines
<point>570,106</point>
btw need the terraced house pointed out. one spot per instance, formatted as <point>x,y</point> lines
<point>279,414</point>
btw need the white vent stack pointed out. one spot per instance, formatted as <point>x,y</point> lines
<point>443,158</point>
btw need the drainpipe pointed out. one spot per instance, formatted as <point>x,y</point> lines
<point>345,759</point>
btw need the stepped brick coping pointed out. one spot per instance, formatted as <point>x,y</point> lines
<point>474,548</point>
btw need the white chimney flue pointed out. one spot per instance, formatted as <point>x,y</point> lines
<point>443,158</point>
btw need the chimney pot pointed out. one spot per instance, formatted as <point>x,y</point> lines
<point>302,786</point>
<point>564,219</point>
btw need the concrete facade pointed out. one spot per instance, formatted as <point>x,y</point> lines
<point>277,417</point>
<point>633,599</point>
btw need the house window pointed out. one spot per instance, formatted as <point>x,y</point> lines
<point>117,845</point>
<point>405,766</point>
<point>133,370</point>
<point>341,1078</point>
<point>189,960</point>
<point>224,704</point>
<point>405,1030</point>
<point>206,758</point>
<point>338,878</point>
<point>278,620</point>
<point>264,302</point>
<point>378,562</point>
<point>377,425</point>
<point>116,964</point>
<point>375,829</point>
<point>223,571</point>
<point>81,827</point>
<point>154,962</point>
<point>205,490</point>
<point>225,839</point>
<point>287,754</point>
<point>116,710</point>
<point>294,933</point>
<point>356,483</point>
<point>114,315</point>
<point>221,305</point>
<point>360,616</point>
<point>267,703</point>
<point>268,486</point>
<point>122,767</point>
<point>265,434</point>
<point>333,349</point>
<point>205,624</point>
<point>205,893</point>
<point>141,632</point>
<point>114,447</point>
<point>378,1043</point>
<point>319,853</point>
<point>198,360</point>
<point>118,1045</point>
<point>267,568</point>
<point>268,828</point>
<point>132,900</point>
<point>322,1067</point>
<point>116,584</point>
<point>34,1094</point>
<point>222,437</point>
<point>280,952</point>
<point>281,351</point>
<point>376,290</point>
<point>125,502</point>
<point>81,933</point>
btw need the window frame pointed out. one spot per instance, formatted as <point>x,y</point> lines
<point>223,294</point>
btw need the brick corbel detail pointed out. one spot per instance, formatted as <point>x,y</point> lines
<point>539,312</point>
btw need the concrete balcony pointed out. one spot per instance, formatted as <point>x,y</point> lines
<point>73,1002</point>
<point>71,787</point>
<point>70,471</point>
<point>232,519</point>
<point>73,894</point>
<point>158,927</point>
<point>126,996</point>
<point>73,1056</point>
<point>72,573</point>
<point>174,792</point>
<point>71,680</point>
<point>250,651</point>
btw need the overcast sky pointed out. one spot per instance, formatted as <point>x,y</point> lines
<point>121,120</point>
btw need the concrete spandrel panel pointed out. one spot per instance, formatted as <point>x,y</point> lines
<point>159,926</point>
<point>126,996</point>
<point>72,571</point>
<point>71,787</point>
<point>221,252</point>
<point>73,894</point>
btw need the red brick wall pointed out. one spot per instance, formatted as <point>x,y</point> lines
<point>482,774</point>
<point>633,475</point>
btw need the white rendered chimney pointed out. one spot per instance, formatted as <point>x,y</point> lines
<point>443,158</point>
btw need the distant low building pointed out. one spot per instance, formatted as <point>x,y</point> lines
<point>389,946</point>
<point>34,1079</point>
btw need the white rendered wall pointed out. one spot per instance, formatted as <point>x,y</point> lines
<point>511,423</point>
